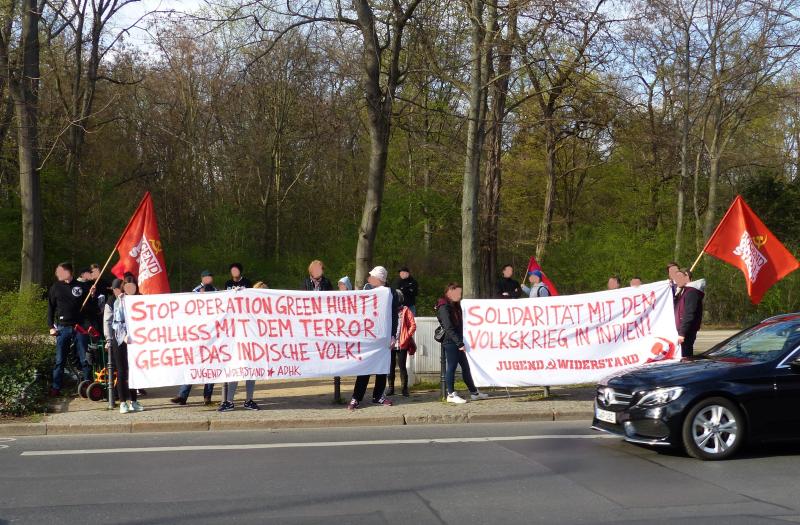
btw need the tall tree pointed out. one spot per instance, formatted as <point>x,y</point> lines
<point>21,68</point>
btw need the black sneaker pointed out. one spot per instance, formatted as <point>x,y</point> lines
<point>251,405</point>
<point>226,406</point>
<point>389,391</point>
<point>178,400</point>
<point>405,391</point>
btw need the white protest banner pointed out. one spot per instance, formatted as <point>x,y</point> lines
<point>568,339</point>
<point>214,337</point>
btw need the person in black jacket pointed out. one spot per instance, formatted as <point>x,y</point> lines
<point>448,312</point>
<point>508,287</point>
<point>688,311</point>
<point>377,278</point>
<point>407,286</point>
<point>316,280</point>
<point>65,312</point>
<point>237,280</point>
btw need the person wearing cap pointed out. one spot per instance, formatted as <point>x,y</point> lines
<point>377,278</point>
<point>206,285</point>
<point>408,286</point>
<point>316,280</point>
<point>119,347</point>
<point>537,287</point>
<point>206,282</point>
<point>237,280</point>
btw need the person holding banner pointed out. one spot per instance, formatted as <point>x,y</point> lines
<point>377,278</point>
<point>688,310</point>
<point>119,347</point>
<point>448,312</point>
<point>316,280</point>
<point>249,384</point>
<point>206,285</point>
<point>237,280</point>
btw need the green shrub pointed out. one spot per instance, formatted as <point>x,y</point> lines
<point>26,352</point>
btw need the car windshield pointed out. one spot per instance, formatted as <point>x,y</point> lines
<point>761,343</point>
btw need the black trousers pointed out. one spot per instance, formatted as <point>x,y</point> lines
<point>687,346</point>
<point>361,387</point>
<point>399,357</point>
<point>119,353</point>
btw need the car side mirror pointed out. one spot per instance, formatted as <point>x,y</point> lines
<point>795,366</point>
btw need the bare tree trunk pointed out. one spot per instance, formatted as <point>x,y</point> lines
<point>470,255</point>
<point>685,127</point>
<point>490,186</point>
<point>545,227</point>
<point>25,93</point>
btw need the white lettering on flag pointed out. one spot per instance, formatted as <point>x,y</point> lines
<point>753,259</point>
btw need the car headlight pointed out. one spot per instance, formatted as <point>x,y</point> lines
<point>660,396</point>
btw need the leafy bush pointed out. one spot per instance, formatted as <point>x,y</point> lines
<point>26,354</point>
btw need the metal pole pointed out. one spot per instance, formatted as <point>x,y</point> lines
<point>110,377</point>
<point>337,389</point>
<point>443,367</point>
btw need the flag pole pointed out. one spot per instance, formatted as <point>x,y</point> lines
<point>696,261</point>
<point>128,227</point>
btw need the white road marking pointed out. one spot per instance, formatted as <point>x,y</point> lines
<point>320,444</point>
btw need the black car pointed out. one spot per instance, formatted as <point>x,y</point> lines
<point>746,388</point>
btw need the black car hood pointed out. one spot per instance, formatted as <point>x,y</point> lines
<point>681,373</point>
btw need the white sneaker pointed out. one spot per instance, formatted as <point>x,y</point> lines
<point>478,395</point>
<point>137,407</point>
<point>125,407</point>
<point>454,398</point>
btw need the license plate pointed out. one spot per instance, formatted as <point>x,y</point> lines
<point>605,415</point>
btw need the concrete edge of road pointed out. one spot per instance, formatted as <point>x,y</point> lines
<point>198,425</point>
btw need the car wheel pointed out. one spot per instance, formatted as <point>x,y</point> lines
<point>714,429</point>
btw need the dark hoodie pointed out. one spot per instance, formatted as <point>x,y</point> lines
<point>450,317</point>
<point>507,288</point>
<point>689,311</point>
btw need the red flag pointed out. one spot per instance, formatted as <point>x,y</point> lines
<point>140,250</point>
<point>534,265</point>
<point>742,240</point>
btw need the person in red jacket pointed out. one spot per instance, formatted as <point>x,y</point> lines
<point>403,348</point>
<point>688,310</point>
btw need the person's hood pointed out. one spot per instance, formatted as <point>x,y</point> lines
<point>346,281</point>
<point>441,302</point>
<point>699,285</point>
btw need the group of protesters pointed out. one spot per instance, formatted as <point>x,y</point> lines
<point>79,308</point>
<point>687,296</point>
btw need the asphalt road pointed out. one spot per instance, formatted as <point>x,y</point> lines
<point>547,472</point>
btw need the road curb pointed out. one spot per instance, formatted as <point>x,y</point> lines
<point>345,420</point>
<point>23,429</point>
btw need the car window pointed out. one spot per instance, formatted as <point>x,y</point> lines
<point>761,343</point>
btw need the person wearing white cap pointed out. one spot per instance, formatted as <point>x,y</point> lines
<point>377,278</point>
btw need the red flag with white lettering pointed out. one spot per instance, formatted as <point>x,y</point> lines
<point>140,250</point>
<point>743,241</point>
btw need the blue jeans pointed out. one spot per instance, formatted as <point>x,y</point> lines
<point>64,338</point>
<point>454,359</point>
<point>185,390</point>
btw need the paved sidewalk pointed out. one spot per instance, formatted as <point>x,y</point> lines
<point>305,403</point>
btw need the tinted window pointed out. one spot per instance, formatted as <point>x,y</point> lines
<point>762,343</point>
